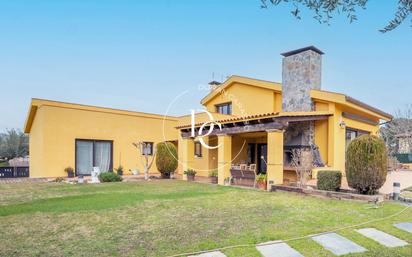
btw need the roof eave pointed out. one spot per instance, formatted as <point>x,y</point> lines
<point>30,118</point>
<point>352,100</point>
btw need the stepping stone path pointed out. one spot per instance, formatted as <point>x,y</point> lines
<point>381,237</point>
<point>277,249</point>
<point>405,226</point>
<point>210,254</point>
<point>337,244</point>
<point>333,242</point>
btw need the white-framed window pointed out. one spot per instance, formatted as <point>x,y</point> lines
<point>225,108</point>
<point>147,148</point>
<point>198,149</point>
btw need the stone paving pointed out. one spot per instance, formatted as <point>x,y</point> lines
<point>382,237</point>
<point>333,242</point>
<point>405,226</point>
<point>338,244</point>
<point>277,250</point>
<point>211,254</point>
<point>402,176</point>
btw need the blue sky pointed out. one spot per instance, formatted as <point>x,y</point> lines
<point>139,55</point>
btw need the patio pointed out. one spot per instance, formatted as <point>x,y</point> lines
<point>263,141</point>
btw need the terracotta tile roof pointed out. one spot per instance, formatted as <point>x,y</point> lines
<point>263,115</point>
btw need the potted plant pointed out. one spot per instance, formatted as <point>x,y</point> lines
<point>70,172</point>
<point>119,170</point>
<point>261,180</point>
<point>190,174</point>
<point>213,176</point>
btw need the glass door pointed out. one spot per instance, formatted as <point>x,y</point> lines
<point>262,155</point>
<point>93,153</point>
<point>84,157</point>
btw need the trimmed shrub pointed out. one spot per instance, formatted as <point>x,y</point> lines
<point>109,177</point>
<point>166,158</point>
<point>329,180</point>
<point>366,164</point>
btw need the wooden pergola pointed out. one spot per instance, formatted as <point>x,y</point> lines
<point>255,123</point>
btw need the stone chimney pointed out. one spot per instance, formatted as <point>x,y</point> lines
<point>301,72</point>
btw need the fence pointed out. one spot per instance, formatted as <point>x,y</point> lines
<point>404,157</point>
<point>14,172</point>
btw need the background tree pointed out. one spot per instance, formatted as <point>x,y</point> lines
<point>146,157</point>
<point>325,9</point>
<point>13,143</point>
<point>401,124</point>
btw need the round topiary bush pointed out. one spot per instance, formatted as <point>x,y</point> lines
<point>366,164</point>
<point>109,177</point>
<point>329,180</point>
<point>166,158</point>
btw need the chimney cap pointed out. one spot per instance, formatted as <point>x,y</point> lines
<point>293,52</point>
<point>214,82</point>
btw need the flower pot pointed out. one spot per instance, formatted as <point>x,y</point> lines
<point>120,173</point>
<point>70,174</point>
<point>262,185</point>
<point>213,180</point>
<point>190,177</point>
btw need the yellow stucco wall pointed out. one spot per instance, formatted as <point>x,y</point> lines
<point>243,98</point>
<point>201,164</point>
<point>321,138</point>
<point>54,130</point>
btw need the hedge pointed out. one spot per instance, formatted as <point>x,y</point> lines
<point>329,180</point>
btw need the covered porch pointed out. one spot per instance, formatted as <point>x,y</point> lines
<point>246,147</point>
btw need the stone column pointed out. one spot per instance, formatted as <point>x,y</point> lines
<point>275,157</point>
<point>224,157</point>
<point>187,154</point>
<point>336,141</point>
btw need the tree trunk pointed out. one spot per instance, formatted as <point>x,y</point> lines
<point>146,173</point>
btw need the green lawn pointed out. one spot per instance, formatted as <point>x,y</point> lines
<point>162,218</point>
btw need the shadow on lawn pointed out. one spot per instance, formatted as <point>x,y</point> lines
<point>93,202</point>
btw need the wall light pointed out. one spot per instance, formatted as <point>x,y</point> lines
<point>342,124</point>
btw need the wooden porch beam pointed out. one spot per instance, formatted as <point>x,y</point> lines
<point>244,129</point>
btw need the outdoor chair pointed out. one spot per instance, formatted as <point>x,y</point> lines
<point>235,174</point>
<point>243,172</point>
<point>252,168</point>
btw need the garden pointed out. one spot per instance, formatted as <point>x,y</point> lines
<point>168,217</point>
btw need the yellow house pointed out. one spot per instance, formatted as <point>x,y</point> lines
<point>248,121</point>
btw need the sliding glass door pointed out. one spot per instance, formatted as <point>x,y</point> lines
<point>93,153</point>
